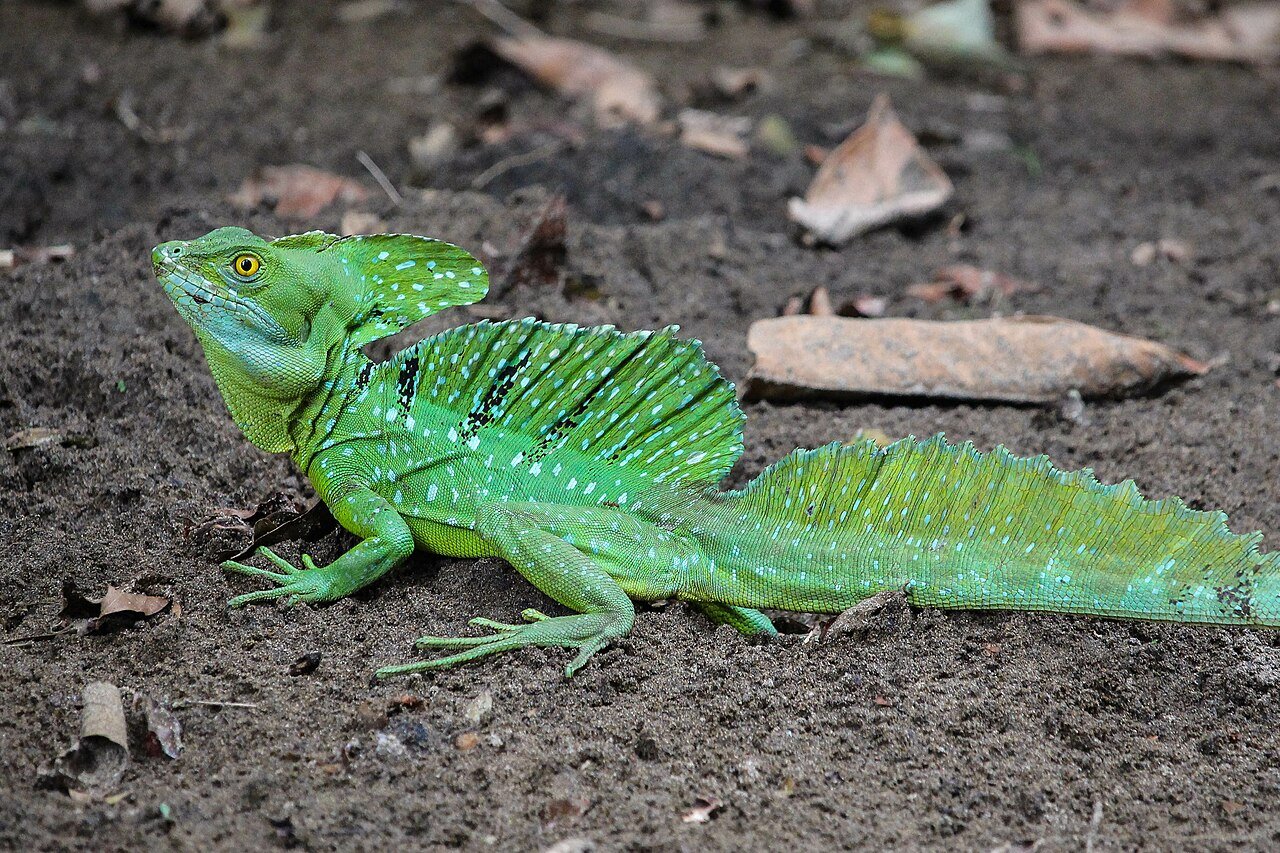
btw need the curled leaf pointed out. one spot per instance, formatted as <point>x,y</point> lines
<point>879,175</point>
<point>96,761</point>
<point>164,730</point>
<point>1017,359</point>
<point>618,91</point>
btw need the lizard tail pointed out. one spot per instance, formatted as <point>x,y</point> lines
<point>823,529</point>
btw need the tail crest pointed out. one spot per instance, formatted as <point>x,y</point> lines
<point>962,528</point>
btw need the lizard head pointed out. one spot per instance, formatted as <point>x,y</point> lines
<point>270,313</point>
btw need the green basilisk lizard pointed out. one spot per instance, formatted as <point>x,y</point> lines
<point>589,459</point>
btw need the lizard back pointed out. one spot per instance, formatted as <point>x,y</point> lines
<point>525,410</point>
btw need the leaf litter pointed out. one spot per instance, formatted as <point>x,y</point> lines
<point>297,191</point>
<point>1025,359</point>
<point>878,176</point>
<point>116,609</point>
<point>618,91</point>
<point>1246,32</point>
<point>96,761</point>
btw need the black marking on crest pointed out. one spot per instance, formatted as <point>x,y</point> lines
<point>366,372</point>
<point>565,424</point>
<point>407,383</point>
<point>486,411</point>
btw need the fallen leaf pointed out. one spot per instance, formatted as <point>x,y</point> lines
<point>1018,359</point>
<point>619,92</point>
<point>96,761</point>
<point>703,810</point>
<point>114,610</point>
<point>467,741</point>
<point>879,175</point>
<point>887,611</point>
<point>967,282</point>
<point>297,191</point>
<point>274,520</point>
<point>954,31</point>
<point>164,730</point>
<point>1243,33</point>
<point>712,133</point>
<point>1232,807</point>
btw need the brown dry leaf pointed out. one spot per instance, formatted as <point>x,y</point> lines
<point>712,133</point>
<point>879,175</point>
<point>1017,359</point>
<point>1245,33</point>
<point>116,609</point>
<point>703,810</point>
<point>96,761</point>
<point>619,92</point>
<point>297,191</point>
<point>276,519</point>
<point>964,281</point>
<point>164,730</point>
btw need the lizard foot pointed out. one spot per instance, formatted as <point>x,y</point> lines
<point>586,632</point>
<point>307,584</point>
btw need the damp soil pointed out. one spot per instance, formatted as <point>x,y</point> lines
<point>944,730</point>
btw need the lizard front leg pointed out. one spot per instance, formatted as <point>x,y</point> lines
<point>590,559</point>
<point>387,542</point>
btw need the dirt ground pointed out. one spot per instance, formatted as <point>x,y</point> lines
<point>950,730</point>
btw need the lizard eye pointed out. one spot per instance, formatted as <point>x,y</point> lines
<point>246,265</point>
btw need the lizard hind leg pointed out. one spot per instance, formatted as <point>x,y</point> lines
<point>580,556</point>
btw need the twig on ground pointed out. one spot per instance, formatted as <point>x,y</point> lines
<point>381,177</point>
<point>515,161</point>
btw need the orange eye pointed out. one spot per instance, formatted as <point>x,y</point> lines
<point>246,265</point>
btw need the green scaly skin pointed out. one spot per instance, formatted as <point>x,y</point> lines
<point>589,459</point>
